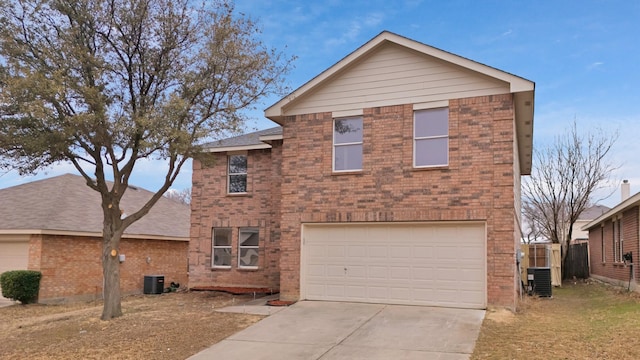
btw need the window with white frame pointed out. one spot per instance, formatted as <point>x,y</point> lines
<point>620,241</point>
<point>347,144</point>
<point>221,248</point>
<point>602,241</point>
<point>248,245</point>
<point>237,170</point>
<point>617,243</point>
<point>431,137</point>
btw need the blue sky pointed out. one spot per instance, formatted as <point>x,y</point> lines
<point>584,57</point>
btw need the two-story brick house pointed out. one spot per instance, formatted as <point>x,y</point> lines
<point>394,177</point>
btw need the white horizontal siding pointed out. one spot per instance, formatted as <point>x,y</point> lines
<point>395,75</point>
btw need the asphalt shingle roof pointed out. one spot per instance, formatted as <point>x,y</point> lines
<point>245,140</point>
<point>66,203</point>
<point>593,212</point>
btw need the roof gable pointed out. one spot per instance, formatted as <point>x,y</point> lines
<point>392,74</point>
<point>393,70</point>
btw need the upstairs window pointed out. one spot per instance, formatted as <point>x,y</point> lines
<point>237,178</point>
<point>431,137</point>
<point>347,144</point>
<point>248,243</point>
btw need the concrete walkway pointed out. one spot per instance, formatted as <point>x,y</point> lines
<point>6,302</point>
<point>331,331</point>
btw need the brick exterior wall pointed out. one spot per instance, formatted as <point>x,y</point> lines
<point>478,183</point>
<point>72,270</point>
<point>610,270</point>
<point>294,184</point>
<point>212,207</point>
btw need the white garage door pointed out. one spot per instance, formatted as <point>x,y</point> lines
<point>14,255</point>
<point>434,264</point>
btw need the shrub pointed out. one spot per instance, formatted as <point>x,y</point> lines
<point>21,285</point>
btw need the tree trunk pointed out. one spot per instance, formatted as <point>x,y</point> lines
<point>111,271</point>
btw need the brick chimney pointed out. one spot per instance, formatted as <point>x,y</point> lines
<point>625,190</point>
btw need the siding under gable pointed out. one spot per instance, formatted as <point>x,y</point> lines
<point>393,75</point>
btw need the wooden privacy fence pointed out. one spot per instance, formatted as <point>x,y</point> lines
<point>577,261</point>
<point>542,255</point>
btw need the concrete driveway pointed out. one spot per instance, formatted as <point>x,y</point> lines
<point>333,330</point>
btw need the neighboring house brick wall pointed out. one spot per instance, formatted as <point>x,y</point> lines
<point>478,183</point>
<point>212,207</point>
<point>71,266</point>
<point>610,270</point>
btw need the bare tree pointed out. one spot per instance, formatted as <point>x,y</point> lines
<point>531,229</point>
<point>564,179</point>
<point>102,84</point>
<point>182,196</point>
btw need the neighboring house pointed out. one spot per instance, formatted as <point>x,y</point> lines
<point>394,177</point>
<point>611,236</point>
<point>55,226</point>
<point>589,214</point>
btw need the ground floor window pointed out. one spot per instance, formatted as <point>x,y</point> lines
<point>248,245</point>
<point>221,248</point>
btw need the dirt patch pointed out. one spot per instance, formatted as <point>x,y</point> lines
<point>166,326</point>
<point>585,320</point>
<point>500,315</point>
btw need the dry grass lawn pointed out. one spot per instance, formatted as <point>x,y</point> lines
<point>167,326</point>
<point>587,320</point>
<point>582,321</point>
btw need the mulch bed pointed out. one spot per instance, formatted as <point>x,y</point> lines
<point>236,290</point>
<point>280,303</point>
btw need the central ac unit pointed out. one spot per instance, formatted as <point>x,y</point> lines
<point>539,281</point>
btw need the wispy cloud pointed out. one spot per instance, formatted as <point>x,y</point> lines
<point>594,65</point>
<point>355,28</point>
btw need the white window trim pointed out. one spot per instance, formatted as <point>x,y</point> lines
<point>229,174</point>
<point>240,247</point>
<point>416,139</point>
<point>333,148</point>
<point>213,247</point>
<point>603,247</point>
<point>620,240</point>
<point>617,240</point>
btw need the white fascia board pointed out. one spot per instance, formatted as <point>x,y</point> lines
<point>270,137</point>
<point>239,148</point>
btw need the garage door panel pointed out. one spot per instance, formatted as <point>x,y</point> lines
<point>399,294</point>
<point>336,271</point>
<point>356,272</point>
<point>400,253</point>
<point>399,273</point>
<point>378,272</point>
<point>14,255</point>
<point>471,276</point>
<point>423,273</point>
<point>440,264</point>
<point>378,252</point>
<point>422,252</point>
<point>334,251</point>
